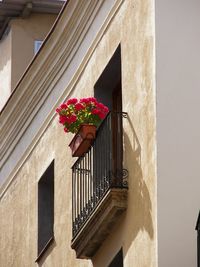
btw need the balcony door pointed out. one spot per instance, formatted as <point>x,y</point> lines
<point>117,148</point>
<point>108,90</point>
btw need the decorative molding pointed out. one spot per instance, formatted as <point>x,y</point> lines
<point>26,102</point>
<point>36,86</point>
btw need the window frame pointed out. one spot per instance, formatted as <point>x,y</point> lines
<point>45,202</point>
<point>37,46</point>
<point>117,261</point>
<point>197,228</point>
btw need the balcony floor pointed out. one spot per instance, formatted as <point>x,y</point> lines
<point>99,224</point>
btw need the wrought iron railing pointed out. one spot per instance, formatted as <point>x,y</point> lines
<point>98,170</point>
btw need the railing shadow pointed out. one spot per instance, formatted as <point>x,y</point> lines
<point>48,252</point>
<point>138,217</point>
<point>98,170</point>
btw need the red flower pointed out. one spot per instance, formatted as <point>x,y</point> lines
<point>58,110</point>
<point>101,115</point>
<point>72,101</point>
<point>106,109</point>
<point>100,105</point>
<point>95,111</point>
<point>63,119</point>
<point>73,113</point>
<point>63,106</point>
<point>72,118</point>
<point>84,100</point>
<point>79,106</point>
<point>92,99</point>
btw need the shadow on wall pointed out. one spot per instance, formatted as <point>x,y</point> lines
<point>137,219</point>
<point>138,216</point>
<point>48,252</point>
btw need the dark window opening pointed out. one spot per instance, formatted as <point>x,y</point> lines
<point>108,87</point>
<point>45,208</point>
<point>198,240</point>
<point>118,260</point>
<point>198,248</point>
<point>108,90</point>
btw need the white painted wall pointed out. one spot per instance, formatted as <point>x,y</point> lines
<point>5,68</point>
<point>178,129</point>
<point>17,49</point>
<point>24,33</point>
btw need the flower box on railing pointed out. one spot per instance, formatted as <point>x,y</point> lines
<point>75,115</point>
<point>82,140</point>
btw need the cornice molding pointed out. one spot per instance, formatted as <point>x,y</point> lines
<point>35,86</point>
<point>27,101</point>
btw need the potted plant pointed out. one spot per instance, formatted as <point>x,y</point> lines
<point>81,117</point>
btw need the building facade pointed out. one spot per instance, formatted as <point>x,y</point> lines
<point>99,209</point>
<point>89,52</point>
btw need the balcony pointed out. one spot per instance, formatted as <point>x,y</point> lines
<point>99,187</point>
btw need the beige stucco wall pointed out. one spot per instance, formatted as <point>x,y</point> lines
<point>5,68</point>
<point>133,27</point>
<point>136,231</point>
<point>24,33</point>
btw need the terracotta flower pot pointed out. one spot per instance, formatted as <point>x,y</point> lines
<point>82,140</point>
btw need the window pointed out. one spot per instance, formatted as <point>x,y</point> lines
<point>37,45</point>
<point>198,248</point>
<point>108,90</point>
<point>108,87</point>
<point>45,208</point>
<point>118,260</point>
<point>198,240</point>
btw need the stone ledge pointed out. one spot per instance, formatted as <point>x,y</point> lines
<point>100,223</point>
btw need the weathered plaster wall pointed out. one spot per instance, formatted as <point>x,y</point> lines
<point>24,33</point>
<point>178,109</point>
<point>136,230</point>
<point>5,68</point>
<point>18,209</point>
<point>133,27</point>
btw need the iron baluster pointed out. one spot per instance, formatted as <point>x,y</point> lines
<point>98,170</point>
